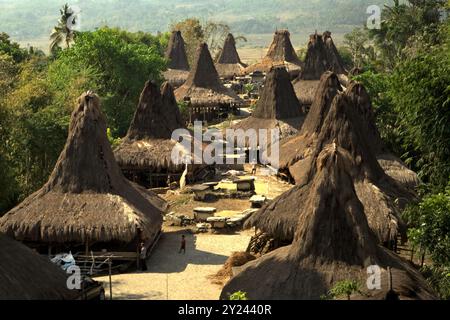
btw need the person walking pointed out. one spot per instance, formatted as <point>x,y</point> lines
<point>183,245</point>
<point>142,257</point>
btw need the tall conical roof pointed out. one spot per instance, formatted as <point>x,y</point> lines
<point>328,88</point>
<point>203,86</point>
<point>277,100</point>
<point>345,126</point>
<point>157,114</point>
<point>85,178</point>
<point>277,108</point>
<point>229,54</point>
<point>391,164</point>
<point>148,144</point>
<point>332,243</point>
<point>176,52</point>
<point>334,59</point>
<point>203,73</point>
<point>228,63</point>
<point>281,52</point>
<point>316,61</point>
<point>281,48</point>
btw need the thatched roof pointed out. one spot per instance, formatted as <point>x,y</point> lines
<point>334,59</point>
<point>203,86</point>
<point>316,61</point>
<point>392,165</point>
<point>26,275</point>
<point>305,90</point>
<point>277,106</point>
<point>176,52</point>
<point>281,52</point>
<point>148,144</point>
<point>229,63</point>
<point>345,126</point>
<point>86,196</point>
<point>333,242</point>
<point>176,78</point>
<point>178,67</point>
<point>326,89</point>
<point>322,56</point>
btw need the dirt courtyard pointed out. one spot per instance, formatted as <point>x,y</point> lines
<point>177,276</point>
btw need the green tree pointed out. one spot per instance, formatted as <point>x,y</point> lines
<point>239,295</point>
<point>430,226</point>
<point>122,63</point>
<point>12,49</point>
<point>344,288</point>
<point>358,43</point>
<point>62,32</point>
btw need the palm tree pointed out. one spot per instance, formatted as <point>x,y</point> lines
<point>62,32</point>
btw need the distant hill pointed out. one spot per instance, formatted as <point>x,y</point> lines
<point>28,20</point>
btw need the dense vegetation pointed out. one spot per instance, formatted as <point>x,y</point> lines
<point>407,73</point>
<point>37,93</point>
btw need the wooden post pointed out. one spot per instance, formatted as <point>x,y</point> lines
<point>138,251</point>
<point>110,280</point>
<point>50,250</point>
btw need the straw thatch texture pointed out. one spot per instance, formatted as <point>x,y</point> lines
<point>321,56</point>
<point>229,63</point>
<point>281,52</point>
<point>203,86</point>
<point>327,88</point>
<point>305,90</point>
<point>316,62</point>
<point>25,275</point>
<point>176,52</point>
<point>178,67</point>
<point>344,125</point>
<point>148,144</point>
<point>334,59</point>
<point>392,165</point>
<point>176,78</point>
<point>86,197</point>
<point>333,242</point>
<point>277,106</point>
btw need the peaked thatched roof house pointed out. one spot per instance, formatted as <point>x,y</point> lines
<point>145,154</point>
<point>333,242</point>
<point>203,89</point>
<point>344,125</point>
<point>25,275</point>
<point>321,56</point>
<point>334,59</point>
<point>178,67</point>
<point>391,164</point>
<point>86,199</point>
<point>228,63</point>
<point>281,52</point>
<point>277,106</point>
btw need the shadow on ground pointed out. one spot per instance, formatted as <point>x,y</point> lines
<point>168,248</point>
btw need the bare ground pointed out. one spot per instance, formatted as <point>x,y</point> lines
<point>175,276</point>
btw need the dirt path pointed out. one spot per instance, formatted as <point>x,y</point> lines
<point>176,276</point>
